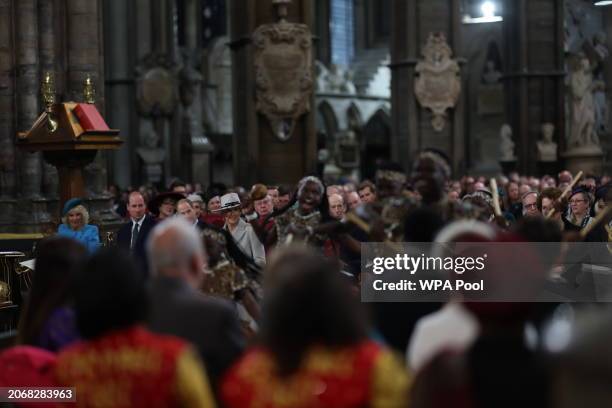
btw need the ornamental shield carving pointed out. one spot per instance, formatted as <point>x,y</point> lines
<point>438,84</point>
<point>283,74</point>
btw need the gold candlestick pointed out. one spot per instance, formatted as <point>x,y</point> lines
<point>48,96</point>
<point>89,91</point>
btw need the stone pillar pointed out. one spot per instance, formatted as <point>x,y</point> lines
<point>7,108</point>
<point>85,48</point>
<point>534,81</point>
<point>258,154</point>
<point>7,115</point>
<point>197,148</point>
<point>120,87</point>
<point>413,21</point>
<point>28,90</point>
<point>85,58</point>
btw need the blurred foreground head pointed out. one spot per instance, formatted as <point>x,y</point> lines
<point>307,303</point>
<point>57,262</point>
<point>110,294</point>
<point>175,250</point>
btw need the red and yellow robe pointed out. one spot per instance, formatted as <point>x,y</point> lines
<point>134,368</point>
<point>363,375</point>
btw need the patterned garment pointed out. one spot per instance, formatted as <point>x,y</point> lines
<point>292,217</point>
<point>134,368</point>
<point>363,375</point>
<point>225,279</point>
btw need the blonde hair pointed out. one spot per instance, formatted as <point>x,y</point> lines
<point>81,209</point>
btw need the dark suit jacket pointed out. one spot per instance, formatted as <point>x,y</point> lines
<point>201,225</point>
<point>124,236</point>
<point>210,324</point>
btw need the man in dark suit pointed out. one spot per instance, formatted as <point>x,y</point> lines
<point>177,261</point>
<point>132,236</point>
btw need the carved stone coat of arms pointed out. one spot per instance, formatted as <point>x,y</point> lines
<point>283,74</point>
<point>438,84</point>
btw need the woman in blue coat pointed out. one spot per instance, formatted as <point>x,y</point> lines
<point>75,219</point>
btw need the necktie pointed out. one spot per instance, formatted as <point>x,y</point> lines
<point>134,235</point>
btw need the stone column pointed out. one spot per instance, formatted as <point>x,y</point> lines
<point>413,21</point>
<point>258,154</point>
<point>197,147</point>
<point>7,108</point>
<point>7,115</point>
<point>28,90</point>
<point>534,80</point>
<point>120,87</point>
<point>85,48</point>
<point>85,58</point>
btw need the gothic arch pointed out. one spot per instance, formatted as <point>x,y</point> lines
<point>327,122</point>
<point>354,119</point>
<point>376,142</point>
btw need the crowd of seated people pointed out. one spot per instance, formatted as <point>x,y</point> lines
<point>251,297</point>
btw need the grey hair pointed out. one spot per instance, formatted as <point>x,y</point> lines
<point>184,200</point>
<point>81,209</point>
<point>308,179</point>
<point>177,252</point>
<point>524,196</point>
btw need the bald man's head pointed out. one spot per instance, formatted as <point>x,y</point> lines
<point>336,206</point>
<point>175,250</point>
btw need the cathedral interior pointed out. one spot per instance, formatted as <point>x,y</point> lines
<point>177,78</point>
<point>160,151</point>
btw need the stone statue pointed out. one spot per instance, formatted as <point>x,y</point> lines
<point>151,154</point>
<point>547,148</point>
<point>583,132</point>
<point>336,79</point>
<point>490,76</point>
<point>506,145</point>
<point>601,53</point>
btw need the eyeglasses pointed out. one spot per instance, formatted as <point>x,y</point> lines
<point>576,201</point>
<point>534,205</point>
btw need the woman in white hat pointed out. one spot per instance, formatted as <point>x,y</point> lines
<point>241,231</point>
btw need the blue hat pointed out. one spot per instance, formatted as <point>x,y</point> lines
<point>70,204</point>
<point>577,190</point>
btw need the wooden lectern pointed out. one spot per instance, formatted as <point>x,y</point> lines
<point>69,142</point>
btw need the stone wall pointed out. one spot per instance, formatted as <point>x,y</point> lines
<point>63,37</point>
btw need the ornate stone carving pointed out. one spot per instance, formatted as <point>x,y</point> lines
<point>583,133</point>
<point>283,72</point>
<point>157,87</point>
<point>438,84</point>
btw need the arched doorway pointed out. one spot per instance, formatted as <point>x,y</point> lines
<point>376,143</point>
<point>327,126</point>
